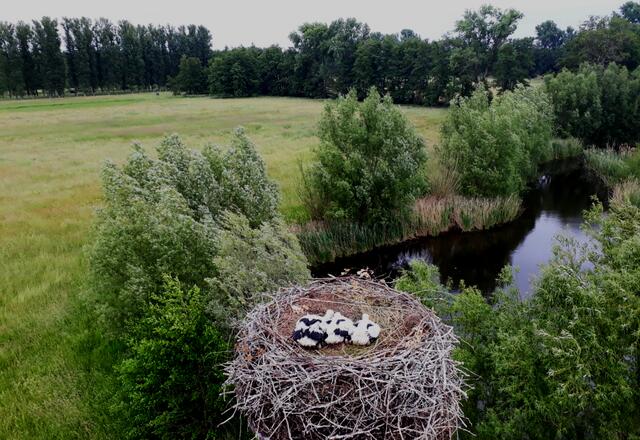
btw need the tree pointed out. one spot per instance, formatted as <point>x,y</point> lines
<point>108,57</point>
<point>602,41</point>
<point>80,53</point>
<point>495,146</point>
<point>561,364</point>
<point>484,32</point>
<point>48,56</point>
<point>10,62</point>
<point>597,105</point>
<point>631,11</point>
<point>24,36</point>
<point>235,72</point>
<point>369,167</point>
<point>515,63</point>
<point>171,377</point>
<point>161,217</point>
<point>549,42</point>
<point>131,52</point>
<point>191,78</point>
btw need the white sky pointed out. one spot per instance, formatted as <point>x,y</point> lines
<point>265,22</point>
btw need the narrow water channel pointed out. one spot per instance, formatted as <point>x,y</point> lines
<point>553,206</point>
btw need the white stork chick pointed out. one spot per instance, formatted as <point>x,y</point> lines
<point>365,331</point>
<point>339,329</point>
<point>311,330</point>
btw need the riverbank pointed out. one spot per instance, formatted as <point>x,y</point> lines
<point>440,212</point>
<point>324,242</point>
<point>554,206</point>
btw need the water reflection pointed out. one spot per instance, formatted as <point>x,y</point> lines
<point>554,206</point>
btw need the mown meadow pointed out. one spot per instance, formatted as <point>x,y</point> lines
<point>55,370</point>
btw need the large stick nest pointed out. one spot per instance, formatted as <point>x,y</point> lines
<point>405,386</point>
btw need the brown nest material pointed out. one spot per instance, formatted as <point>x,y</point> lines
<point>405,386</point>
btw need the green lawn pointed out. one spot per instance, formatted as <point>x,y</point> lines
<point>54,369</point>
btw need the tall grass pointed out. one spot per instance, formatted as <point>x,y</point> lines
<point>610,165</point>
<point>566,148</point>
<point>627,191</point>
<point>324,242</point>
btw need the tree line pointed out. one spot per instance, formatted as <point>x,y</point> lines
<point>323,61</point>
<point>81,55</point>
<point>328,60</point>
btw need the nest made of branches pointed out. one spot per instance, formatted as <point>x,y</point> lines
<point>405,386</point>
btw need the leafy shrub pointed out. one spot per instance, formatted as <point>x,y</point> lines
<point>171,379</point>
<point>207,221</point>
<point>497,145</point>
<point>597,105</point>
<point>369,165</point>
<point>160,217</point>
<point>562,364</point>
<point>250,262</point>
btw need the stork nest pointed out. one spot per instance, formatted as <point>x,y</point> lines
<point>405,386</point>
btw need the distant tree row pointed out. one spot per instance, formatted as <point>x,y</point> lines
<point>98,55</point>
<point>324,60</point>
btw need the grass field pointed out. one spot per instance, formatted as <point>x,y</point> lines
<point>54,368</point>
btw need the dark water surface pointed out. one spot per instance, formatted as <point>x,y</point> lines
<point>554,206</point>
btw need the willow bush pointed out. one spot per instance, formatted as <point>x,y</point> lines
<point>600,106</point>
<point>369,167</point>
<point>496,144</point>
<point>162,217</point>
<point>184,244</point>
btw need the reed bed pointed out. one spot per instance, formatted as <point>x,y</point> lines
<point>627,191</point>
<point>325,241</point>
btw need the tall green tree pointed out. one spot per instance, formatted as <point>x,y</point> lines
<point>515,63</point>
<point>235,72</point>
<point>631,11</point>
<point>191,78</point>
<point>108,56</point>
<point>10,61</point>
<point>549,42</point>
<point>24,35</point>
<point>49,57</point>
<point>131,53</point>
<point>484,32</point>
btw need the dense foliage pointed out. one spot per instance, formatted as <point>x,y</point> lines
<point>599,105</point>
<point>171,378</point>
<point>496,145</point>
<point>98,55</point>
<point>162,217</point>
<point>324,60</point>
<point>207,221</point>
<point>191,78</point>
<point>369,167</point>
<point>561,364</point>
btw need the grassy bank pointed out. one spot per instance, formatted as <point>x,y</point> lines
<point>613,166</point>
<point>324,242</point>
<point>55,372</point>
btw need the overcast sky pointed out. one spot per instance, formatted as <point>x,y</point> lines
<point>265,22</point>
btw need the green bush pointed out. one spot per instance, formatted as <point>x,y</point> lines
<point>497,145</point>
<point>251,261</point>
<point>369,165</point>
<point>597,105</point>
<point>172,377</point>
<point>161,216</point>
<point>562,364</point>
